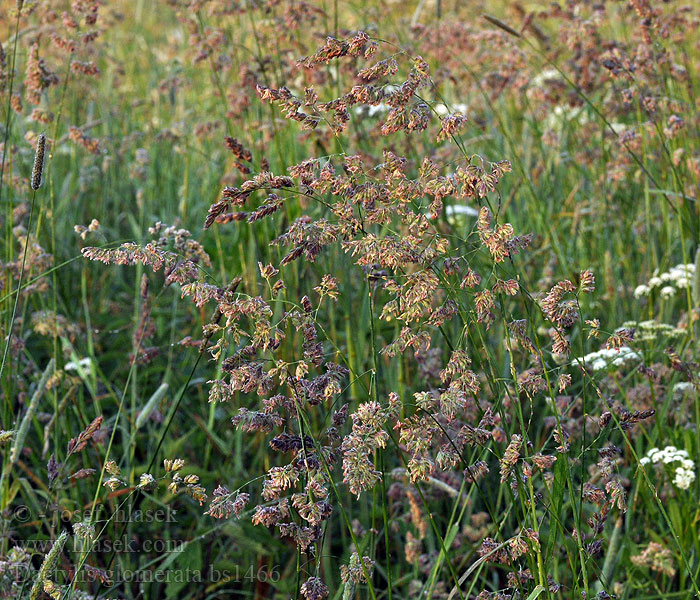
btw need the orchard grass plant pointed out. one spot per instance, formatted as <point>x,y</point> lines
<point>349,300</point>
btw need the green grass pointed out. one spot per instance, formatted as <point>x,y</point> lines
<point>624,208</point>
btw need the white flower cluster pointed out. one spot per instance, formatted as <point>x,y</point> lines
<point>544,77</point>
<point>456,213</point>
<point>684,475</point>
<point>83,363</point>
<point>684,387</point>
<point>440,109</point>
<point>676,278</point>
<point>443,110</point>
<point>605,358</point>
<point>371,110</point>
<point>650,331</point>
<point>562,114</point>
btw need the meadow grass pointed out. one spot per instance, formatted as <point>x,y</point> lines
<point>474,377</point>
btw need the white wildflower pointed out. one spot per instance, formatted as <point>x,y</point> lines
<point>83,363</point>
<point>443,110</point>
<point>544,76</point>
<point>563,113</point>
<point>610,357</point>
<point>619,128</point>
<point>371,111</point>
<point>683,478</point>
<point>683,387</point>
<point>684,475</point>
<point>641,290</point>
<point>457,213</point>
<point>678,277</point>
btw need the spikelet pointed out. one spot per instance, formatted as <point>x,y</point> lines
<point>47,566</point>
<point>80,443</point>
<point>38,162</point>
<point>501,25</point>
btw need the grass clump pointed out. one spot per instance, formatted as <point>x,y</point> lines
<point>367,300</point>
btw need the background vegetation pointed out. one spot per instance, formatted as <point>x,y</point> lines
<point>494,404</point>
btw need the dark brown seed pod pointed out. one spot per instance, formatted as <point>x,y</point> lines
<point>38,161</point>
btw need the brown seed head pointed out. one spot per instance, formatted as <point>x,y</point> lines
<point>38,162</point>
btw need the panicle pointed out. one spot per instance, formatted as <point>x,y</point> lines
<point>38,168</point>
